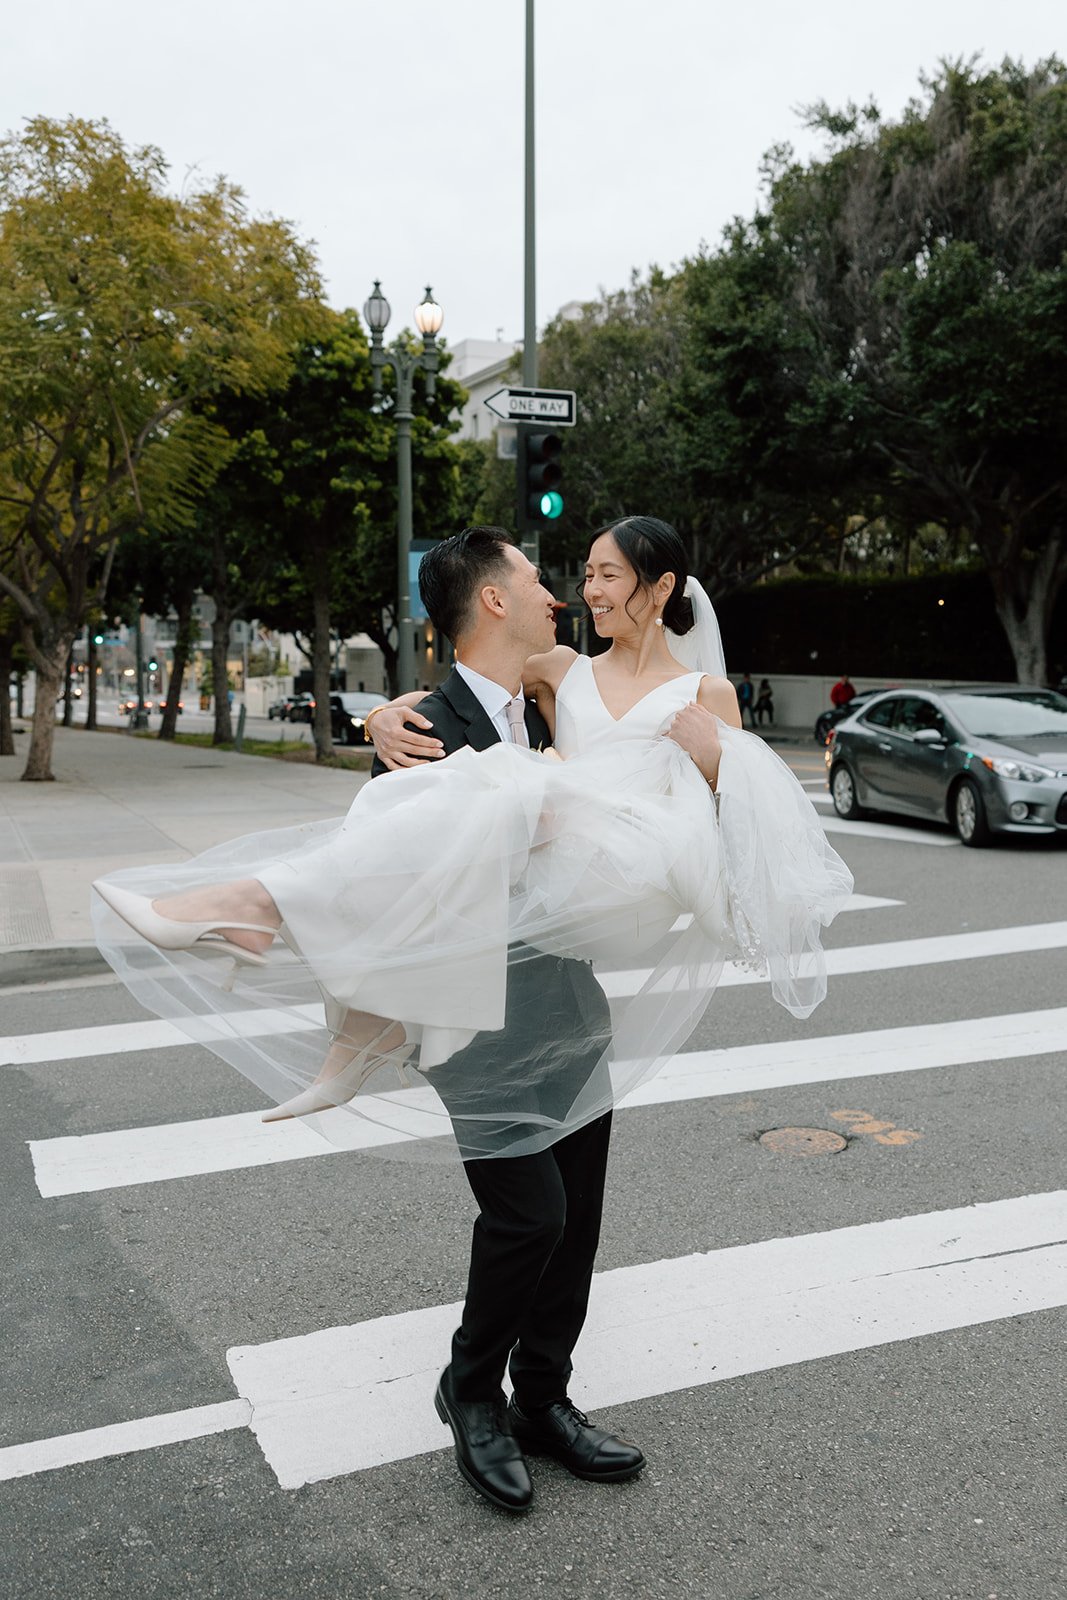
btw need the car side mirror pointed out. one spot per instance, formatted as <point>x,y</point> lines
<point>930,736</point>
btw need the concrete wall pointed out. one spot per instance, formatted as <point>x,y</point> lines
<point>798,700</point>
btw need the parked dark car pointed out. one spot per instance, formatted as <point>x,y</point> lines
<point>278,708</point>
<point>989,759</point>
<point>300,708</point>
<point>835,714</point>
<point>348,712</point>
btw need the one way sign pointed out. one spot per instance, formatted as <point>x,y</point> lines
<point>557,406</point>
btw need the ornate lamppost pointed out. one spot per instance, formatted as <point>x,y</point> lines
<point>405,363</point>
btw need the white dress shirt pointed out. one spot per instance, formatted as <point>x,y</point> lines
<point>493,698</point>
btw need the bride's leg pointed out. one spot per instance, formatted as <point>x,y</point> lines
<point>245,900</point>
<point>358,1047</point>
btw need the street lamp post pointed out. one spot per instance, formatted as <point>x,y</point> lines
<point>405,363</point>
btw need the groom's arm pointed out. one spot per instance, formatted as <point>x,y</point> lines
<point>395,733</point>
<point>445,733</point>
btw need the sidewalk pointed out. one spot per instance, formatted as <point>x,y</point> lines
<point>120,801</point>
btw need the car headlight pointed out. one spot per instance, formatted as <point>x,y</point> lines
<point>1020,770</point>
<point>357,722</point>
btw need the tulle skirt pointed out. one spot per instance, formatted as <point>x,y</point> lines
<point>548,934</point>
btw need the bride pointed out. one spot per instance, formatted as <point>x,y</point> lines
<point>654,840</point>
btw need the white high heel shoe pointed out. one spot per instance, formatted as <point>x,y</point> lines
<point>167,934</point>
<point>344,1085</point>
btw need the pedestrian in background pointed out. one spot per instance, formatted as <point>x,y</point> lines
<point>843,691</point>
<point>746,697</point>
<point>764,702</point>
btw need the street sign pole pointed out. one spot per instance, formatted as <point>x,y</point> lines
<point>529,535</point>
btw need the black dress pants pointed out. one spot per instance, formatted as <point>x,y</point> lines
<point>532,1256</point>
<point>536,1235</point>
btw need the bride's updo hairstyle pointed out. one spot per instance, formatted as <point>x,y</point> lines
<point>652,548</point>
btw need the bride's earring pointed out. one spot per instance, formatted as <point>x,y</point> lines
<point>659,622</point>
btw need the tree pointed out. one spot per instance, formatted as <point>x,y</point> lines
<point>312,487</point>
<point>683,413</point>
<point>121,307</point>
<point>929,280</point>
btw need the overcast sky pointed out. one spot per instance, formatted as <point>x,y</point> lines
<point>390,131</point>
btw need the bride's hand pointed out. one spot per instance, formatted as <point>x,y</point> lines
<point>550,754</point>
<point>697,731</point>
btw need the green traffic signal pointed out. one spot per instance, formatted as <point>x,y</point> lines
<point>98,638</point>
<point>551,505</point>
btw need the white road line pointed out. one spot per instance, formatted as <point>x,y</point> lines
<point>71,1044</point>
<point>84,1163</point>
<point>97,1444</point>
<point>888,830</point>
<point>123,1038</point>
<point>893,954</point>
<point>345,1399</point>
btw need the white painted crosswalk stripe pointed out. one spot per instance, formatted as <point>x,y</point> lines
<point>346,1399</point>
<point>341,1400</point>
<point>83,1163</point>
<point>72,1044</point>
<point>893,954</point>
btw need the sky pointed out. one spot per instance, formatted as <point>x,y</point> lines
<point>391,131</point>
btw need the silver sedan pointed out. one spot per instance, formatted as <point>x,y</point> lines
<point>985,759</point>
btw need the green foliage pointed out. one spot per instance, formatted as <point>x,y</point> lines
<point>122,308</point>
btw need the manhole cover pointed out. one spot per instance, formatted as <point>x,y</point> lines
<point>802,1141</point>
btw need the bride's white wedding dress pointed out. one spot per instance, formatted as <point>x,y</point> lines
<point>421,902</point>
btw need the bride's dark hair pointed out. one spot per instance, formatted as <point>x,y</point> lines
<point>652,548</point>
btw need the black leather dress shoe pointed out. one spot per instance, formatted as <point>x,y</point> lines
<point>562,1431</point>
<point>486,1452</point>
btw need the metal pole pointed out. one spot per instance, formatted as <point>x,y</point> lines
<point>405,642</point>
<point>529,329</point>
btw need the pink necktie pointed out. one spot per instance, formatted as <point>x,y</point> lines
<point>516,724</point>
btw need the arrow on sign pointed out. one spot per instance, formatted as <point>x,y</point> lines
<point>558,406</point>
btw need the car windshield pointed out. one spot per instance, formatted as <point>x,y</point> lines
<point>1010,714</point>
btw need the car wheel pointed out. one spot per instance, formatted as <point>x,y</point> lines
<point>843,791</point>
<point>968,815</point>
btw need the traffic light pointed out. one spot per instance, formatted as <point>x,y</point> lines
<point>153,665</point>
<point>98,638</point>
<point>540,475</point>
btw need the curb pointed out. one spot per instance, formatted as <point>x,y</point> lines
<point>54,961</point>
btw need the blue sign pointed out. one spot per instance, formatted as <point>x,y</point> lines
<point>418,549</point>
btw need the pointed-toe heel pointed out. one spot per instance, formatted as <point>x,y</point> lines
<point>346,1084</point>
<point>137,911</point>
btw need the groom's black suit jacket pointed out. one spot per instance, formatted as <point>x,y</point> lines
<point>557,1024</point>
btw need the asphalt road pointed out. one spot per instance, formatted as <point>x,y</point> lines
<point>811,1459</point>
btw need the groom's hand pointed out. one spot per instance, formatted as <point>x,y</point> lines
<point>696,730</point>
<point>393,732</point>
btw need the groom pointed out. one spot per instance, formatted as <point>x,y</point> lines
<point>538,1225</point>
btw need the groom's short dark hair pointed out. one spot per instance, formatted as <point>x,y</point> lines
<point>452,573</point>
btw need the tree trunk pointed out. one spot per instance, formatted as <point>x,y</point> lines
<point>50,664</point>
<point>90,673</point>
<point>220,683</point>
<point>68,690</point>
<point>320,662</point>
<point>182,647</point>
<point>7,735</point>
<point>381,636</point>
<point>1025,594</point>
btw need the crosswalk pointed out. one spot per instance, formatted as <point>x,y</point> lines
<point>342,1399</point>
